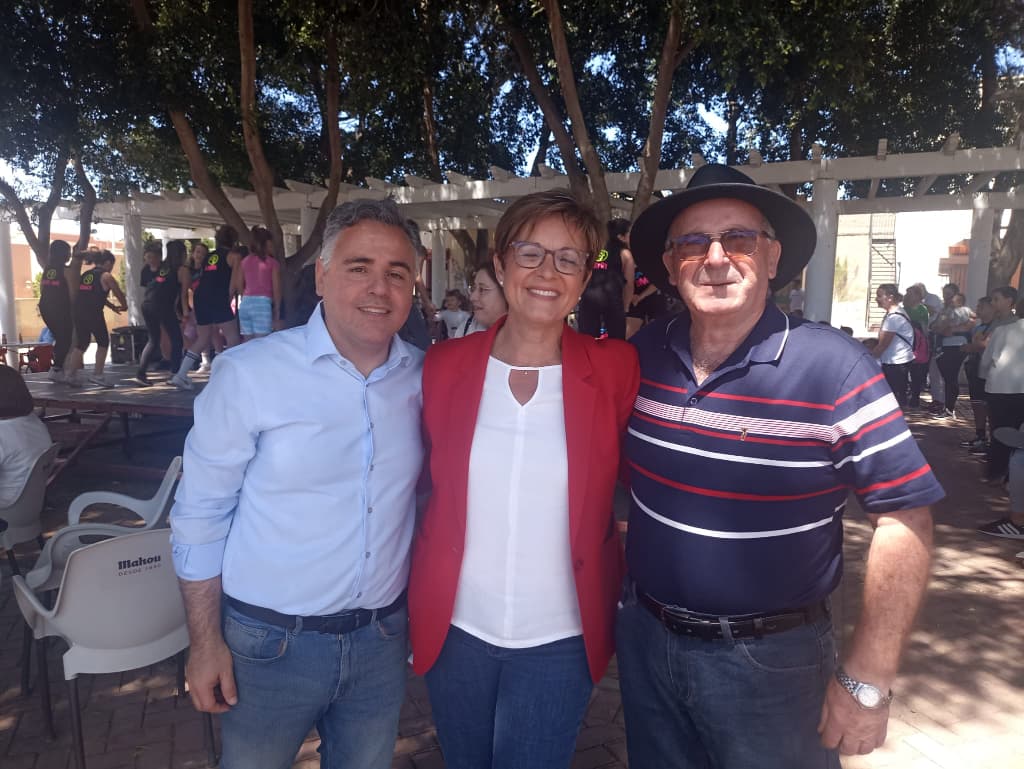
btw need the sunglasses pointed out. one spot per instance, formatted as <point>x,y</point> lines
<point>695,245</point>
<point>529,255</point>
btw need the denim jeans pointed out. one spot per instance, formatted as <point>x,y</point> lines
<point>696,704</point>
<point>350,687</point>
<point>498,708</point>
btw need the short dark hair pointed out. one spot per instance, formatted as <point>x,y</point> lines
<point>60,252</point>
<point>891,291</point>
<point>530,209</point>
<point>353,212</point>
<point>15,399</point>
<point>153,247</point>
<point>226,236</point>
<point>1007,292</point>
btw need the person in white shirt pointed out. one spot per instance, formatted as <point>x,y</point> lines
<point>895,348</point>
<point>453,317</point>
<point>23,438</point>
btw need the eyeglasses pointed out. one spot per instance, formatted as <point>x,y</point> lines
<point>530,256</point>
<point>695,245</point>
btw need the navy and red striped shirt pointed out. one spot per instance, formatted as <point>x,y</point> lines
<point>738,485</point>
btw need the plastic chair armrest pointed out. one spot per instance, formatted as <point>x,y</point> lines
<point>28,602</point>
<point>84,501</point>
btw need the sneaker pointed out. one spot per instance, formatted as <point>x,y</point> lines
<point>57,375</point>
<point>75,379</point>
<point>1004,527</point>
<point>971,443</point>
<point>181,382</point>
<point>142,379</point>
<point>100,381</point>
<point>947,414</point>
<point>979,447</point>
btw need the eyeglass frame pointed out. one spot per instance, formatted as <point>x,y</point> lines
<point>553,251</point>
<point>716,237</point>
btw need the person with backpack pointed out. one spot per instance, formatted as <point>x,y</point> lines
<point>895,348</point>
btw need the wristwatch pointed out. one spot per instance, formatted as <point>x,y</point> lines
<point>865,695</point>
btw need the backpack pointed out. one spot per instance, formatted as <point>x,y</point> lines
<point>922,353</point>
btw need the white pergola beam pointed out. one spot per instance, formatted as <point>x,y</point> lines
<point>499,174</point>
<point>978,181</point>
<point>379,184</point>
<point>454,177</point>
<point>418,181</point>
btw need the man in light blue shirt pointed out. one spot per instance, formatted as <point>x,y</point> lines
<point>293,520</point>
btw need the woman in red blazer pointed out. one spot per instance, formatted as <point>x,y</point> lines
<point>516,566</point>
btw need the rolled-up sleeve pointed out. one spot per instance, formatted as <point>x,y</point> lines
<point>217,451</point>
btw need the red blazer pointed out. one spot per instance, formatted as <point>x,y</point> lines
<point>599,381</point>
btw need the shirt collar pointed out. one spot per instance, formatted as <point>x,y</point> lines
<point>764,343</point>
<point>319,345</point>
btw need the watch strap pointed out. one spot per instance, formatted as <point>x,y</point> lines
<point>852,685</point>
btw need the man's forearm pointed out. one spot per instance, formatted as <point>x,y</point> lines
<point>202,606</point>
<point>899,561</point>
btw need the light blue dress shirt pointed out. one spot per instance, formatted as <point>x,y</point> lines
<point>300,474</point>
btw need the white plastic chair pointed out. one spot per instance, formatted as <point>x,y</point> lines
<point>118,608</point>
<point>153,510</point>
<point>48,572</point>
<point>24,524</point>
<point>24,516</point>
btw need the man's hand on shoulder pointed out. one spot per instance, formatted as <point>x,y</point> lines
<point>848,727</point>
<point>211,677</point>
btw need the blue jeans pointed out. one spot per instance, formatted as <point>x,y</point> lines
<point>749,704</point>
<point>350,687</point>
<point>498,708</point>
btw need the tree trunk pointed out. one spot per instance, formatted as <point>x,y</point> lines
<point>329,117</point>
<point>671,58</point>
<point>87,206</point>
<point>544,142</point>
<point>567,80</point>
<point>201,174</point>
<point>430,128</point>
<point>262,176</point>
<point>731,148</point>
<point>39,237</point>
<point>552,115</point>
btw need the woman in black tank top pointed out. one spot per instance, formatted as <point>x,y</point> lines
<point>211,302</point>
<point>55,302</point>
<point>90,299</point>
<point>610,290</point>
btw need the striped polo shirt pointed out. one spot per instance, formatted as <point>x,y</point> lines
<point>739,485</point>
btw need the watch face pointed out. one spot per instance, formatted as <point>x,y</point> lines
<point>869,696</point>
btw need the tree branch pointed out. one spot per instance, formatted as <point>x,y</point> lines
<point>200,173</point>
<point>262,176</point>
<point>21,215</point>
<point>567,81</point>
<point>552,115</point>
<point>87,206</point>
<point>329,118</point>
<point>651,158</point>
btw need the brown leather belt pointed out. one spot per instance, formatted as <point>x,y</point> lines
<point>709,626</point>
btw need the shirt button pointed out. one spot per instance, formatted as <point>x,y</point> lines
<point>367,553</point>
<point>371,425</point>
<point>369,510</point>
<point>371,468</point>
<point>693,401</point>
<point>359,595</point>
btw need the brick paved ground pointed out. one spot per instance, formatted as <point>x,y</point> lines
<point>960,699</point>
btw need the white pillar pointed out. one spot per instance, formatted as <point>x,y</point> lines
<point>8,313</point>
<point>133,267</point>
<point>438,269</point>
<point>980,254</point>
<point>821,270</point>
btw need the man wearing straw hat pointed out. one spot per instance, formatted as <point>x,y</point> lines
<point>749,432</point>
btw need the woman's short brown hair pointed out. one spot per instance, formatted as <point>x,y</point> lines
<point>530,209</point>
<point>15,399</point>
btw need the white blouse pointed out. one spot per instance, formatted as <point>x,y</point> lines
<point>517,588</point>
